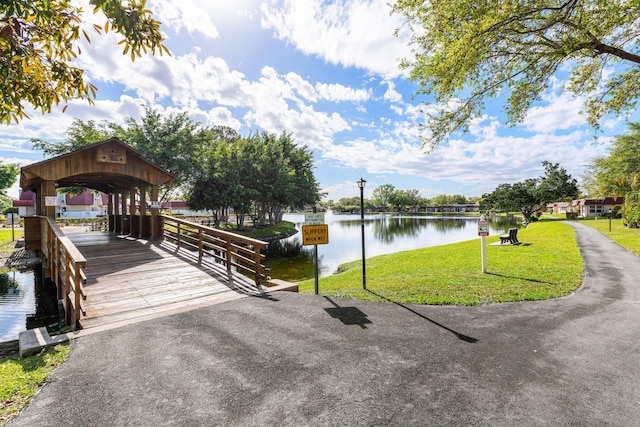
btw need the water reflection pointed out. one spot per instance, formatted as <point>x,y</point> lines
<point>26,302</point>
<point>383,234</point>
<point>8,285</point>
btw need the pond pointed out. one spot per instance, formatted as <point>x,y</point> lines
<point>25,303</point>
<point>289,260</point>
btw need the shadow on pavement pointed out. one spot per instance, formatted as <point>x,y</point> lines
<point>460,336</point>
<point>347,315</point>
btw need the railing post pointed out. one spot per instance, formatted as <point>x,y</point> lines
<point>229,252</point>
<point>56,270</point>
<point>178,234</point>
<point>51,241</point>
<point>200,248</point>
<point>258,265</point>
<point>70,310</point>
<point>77,278</point>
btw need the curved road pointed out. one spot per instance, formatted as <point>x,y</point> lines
<point>292,359</point>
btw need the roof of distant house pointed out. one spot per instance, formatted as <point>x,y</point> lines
<point>601,201</point>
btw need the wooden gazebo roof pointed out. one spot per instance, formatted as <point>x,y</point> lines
<point>105,166</point>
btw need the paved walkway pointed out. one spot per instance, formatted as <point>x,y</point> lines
<point>310,360</point>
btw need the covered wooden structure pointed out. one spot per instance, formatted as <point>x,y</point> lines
<point>111,167</point>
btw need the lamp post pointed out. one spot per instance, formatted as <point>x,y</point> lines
<point>361,184</point>
<point>610,212</point>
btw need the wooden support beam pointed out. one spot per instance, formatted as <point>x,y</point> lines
<point>156,231</point>
<point>143,210</point>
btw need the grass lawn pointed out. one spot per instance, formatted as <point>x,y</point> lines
<point>626,237</point>
<point>6,244</point>
<point>547,265</point>
<point>20,378</point>
<point>284,229</point>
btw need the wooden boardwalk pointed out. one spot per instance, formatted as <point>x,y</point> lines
<point>135,278</point>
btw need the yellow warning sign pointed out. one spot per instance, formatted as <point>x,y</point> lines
<point>315,234</point>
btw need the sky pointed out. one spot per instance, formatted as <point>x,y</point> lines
<point>326,72</point>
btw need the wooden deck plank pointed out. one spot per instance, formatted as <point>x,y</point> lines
<point>129,278</point>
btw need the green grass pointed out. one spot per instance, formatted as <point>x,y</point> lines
<point>547,265</point>
<point>6,244</point>
<point>20,378</point>
<point>626,237</point>
<point>282,230</point>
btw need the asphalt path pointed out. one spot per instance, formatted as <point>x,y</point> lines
<point>292,359</point>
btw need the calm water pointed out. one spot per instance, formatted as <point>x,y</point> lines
<point>383,234</point>
<point>25,303</point>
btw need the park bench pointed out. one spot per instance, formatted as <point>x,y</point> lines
<point>512,237</point>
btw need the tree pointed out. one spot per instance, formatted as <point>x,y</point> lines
<point>39,41</point>
<point>350,204</point>
<point>79,135</point>
<point>8,175</point>
<point>173,142</point>
<point>280,174</point>
<point>533,194</point>
<point>618,173</point>
<point>444,200</point>
<point>261,173</point>
<point>621,161</point>
<point>212,185</point>
<point>413,199</point>
<point>467,53</point>
<point>383,194</point>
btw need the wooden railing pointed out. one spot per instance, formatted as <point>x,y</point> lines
<point>63,264</point>
<point>231,249</point>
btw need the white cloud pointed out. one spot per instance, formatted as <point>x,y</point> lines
<point>184,15</point>
<point>392,95</point>
<point>336,92</point>
<point>372,130</point>
<point>561,112</point>
<point>302,87</point>
<point>356,33</point>
<point>485,161</point>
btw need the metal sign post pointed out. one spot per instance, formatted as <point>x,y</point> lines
<point>315,268</point>
<point>483,232</point>
<point>317,234</point>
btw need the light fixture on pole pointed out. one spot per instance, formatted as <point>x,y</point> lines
<point>361,184</point>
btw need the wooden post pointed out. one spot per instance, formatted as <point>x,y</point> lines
<point>258,265</point>
<point>143,209</point>
<point>156,232</point>
<point>132,210</point>
<point>111,215</point>
<point>123,205</point>
<point>229,256</point>
<point>56,268</point>
<point>47,188</point>
<point>70,312</point>
<point>76,293</point>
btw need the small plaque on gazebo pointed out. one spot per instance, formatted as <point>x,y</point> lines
<point>112,154</point>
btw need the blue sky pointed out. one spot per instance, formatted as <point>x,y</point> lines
<point>326,72</point>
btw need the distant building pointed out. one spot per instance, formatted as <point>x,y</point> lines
<point>595,207</point>
<point>559,207</point>
<point>89,205</point>
<point>458,208</point>
<point>84,205</point>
